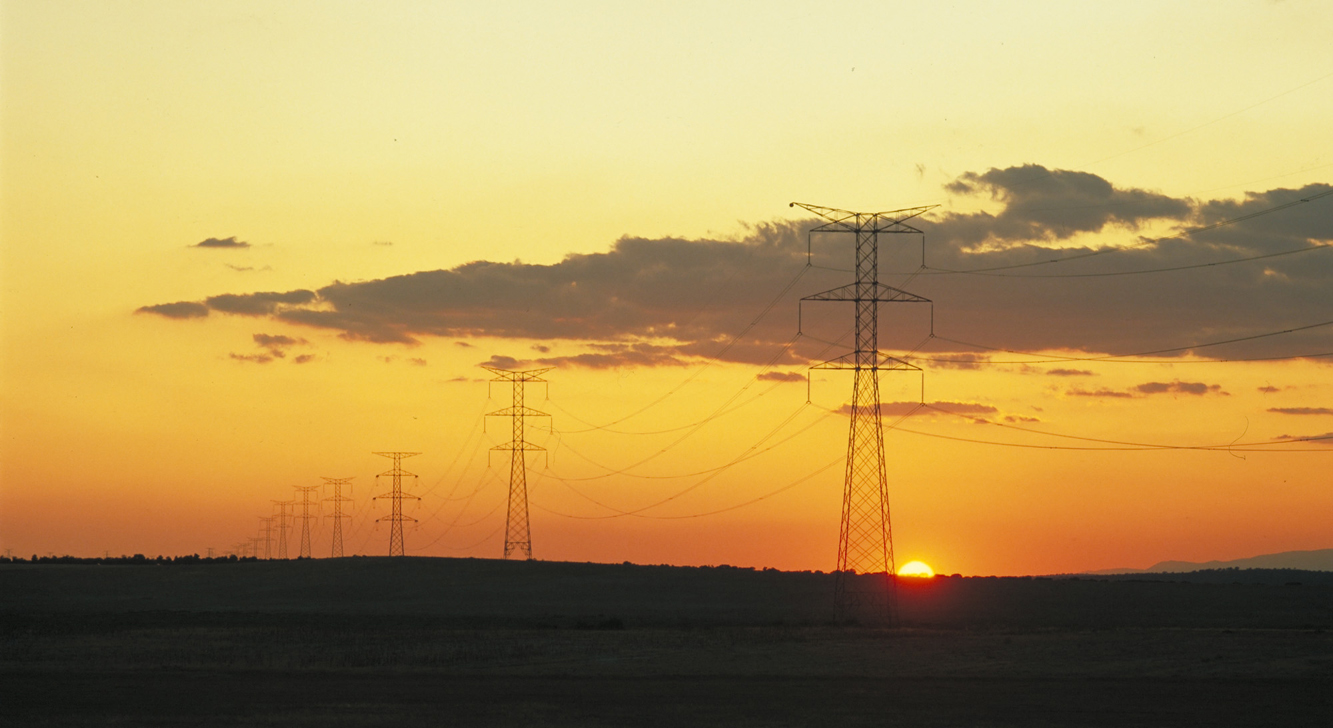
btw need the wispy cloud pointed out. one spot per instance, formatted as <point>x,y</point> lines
<point>772,376</point>
<point>231,242</point>
<point>1302,410</point>
<point>687,298</point>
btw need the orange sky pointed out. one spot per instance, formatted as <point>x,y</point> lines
<point>626,174</point>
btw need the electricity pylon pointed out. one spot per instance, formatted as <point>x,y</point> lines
<point>267,530</point>
<point>338,500</point>
<point>282,516</point>
<point>396,497</point>
<point>865,540</point>
<point>518,534</point>
<point>305,491</point>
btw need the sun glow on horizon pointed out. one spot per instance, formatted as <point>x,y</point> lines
<point>916,568</point>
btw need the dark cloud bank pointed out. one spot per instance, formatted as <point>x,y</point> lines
<point>664,301</point>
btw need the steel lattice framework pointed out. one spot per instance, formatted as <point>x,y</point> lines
<point>267,530</point>
<point>865,540</point>
<point>396,496</point>
<point>338,499</point>
<point>518,534</point>
<point>282,515</point>
<point>305,516</point>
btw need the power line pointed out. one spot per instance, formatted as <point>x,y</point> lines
<point>1235,446</point>
<point>994,271</point>
<point>1124,358</point>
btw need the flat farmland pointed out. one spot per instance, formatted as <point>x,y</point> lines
<point>371,642</point>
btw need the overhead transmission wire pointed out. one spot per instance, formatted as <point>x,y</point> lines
<point>995,271</point>
<point>703,367</point>
<point>638,513</point>
<point>617,512</point>
<point>1127,358</point>
<point>1255,446</point>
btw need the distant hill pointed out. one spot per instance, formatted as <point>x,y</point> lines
<point>1319,560</point>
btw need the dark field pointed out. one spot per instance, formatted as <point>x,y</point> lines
<point>373,641</point>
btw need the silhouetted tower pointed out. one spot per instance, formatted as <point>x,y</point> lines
<point>396,497</point>
<point>255,541</point>
<point>267,530</point>
<point>518,534</point>
<point>305,503</point>
<point>282,515</point>
<point>337,499</point>
<point>865,541</point>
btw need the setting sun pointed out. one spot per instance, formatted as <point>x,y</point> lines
<point>916,568</point>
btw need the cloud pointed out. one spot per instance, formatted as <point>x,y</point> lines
<point>1179,387</point>
<point>277,340</point>
<point>1269,389</point>
<point>417,361</point>
<point>1302,410</point>
<point>247,268</point>
<point>1103,392</point>
<point>781,377</point>
<point>602,356</point>
<point>231,242</point>
<point>1042,204</point>
<point>303,359</point>
<point>259,304</point>
<point>898,409</point>
<point>688,298</point>
<point>1021,418</point>
<point>960,361</point>
<point>276,345</point>
<point>542,348</point>
<point>178,310</point>
<point>383,243</point>
<point>255,358</point>
<point>1070,373</point>
<point>1151,388</point>
<point>1324,439</point>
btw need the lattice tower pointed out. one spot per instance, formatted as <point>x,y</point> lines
<point>865,540</point>
<point>396,496</point>
<point>338,499</point>
<point>518,533</point>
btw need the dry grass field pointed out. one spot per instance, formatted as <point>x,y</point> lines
<point>381,642</point>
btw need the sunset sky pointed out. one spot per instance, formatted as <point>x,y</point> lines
<point>246,244</point>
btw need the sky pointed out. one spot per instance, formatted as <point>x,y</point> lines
<point>245,246</point>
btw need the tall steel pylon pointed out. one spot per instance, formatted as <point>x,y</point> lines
<point>282,515</point>
<point>338,499</point>
<point>865,540</point>
<point>518,534</point>
<point>396,496</point>
<point>267,530</point>
<point>305,491</point>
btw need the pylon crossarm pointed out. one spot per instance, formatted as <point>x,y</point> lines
<point>526,446</point>
<point>888,221</point>
<point>882,294</point>
<point>531,375</point>
<point>513,411</point>
<point>883,362</point>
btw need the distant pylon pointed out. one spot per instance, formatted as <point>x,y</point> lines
<point>267,530</point>
<point>338,500</point>
<point>865,540</point>
<point>396,497</point>
<point>305,491</point>
<point>518,534</point>
<point>282,515</point>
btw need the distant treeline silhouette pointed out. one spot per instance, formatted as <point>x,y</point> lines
<point>135,560</point>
